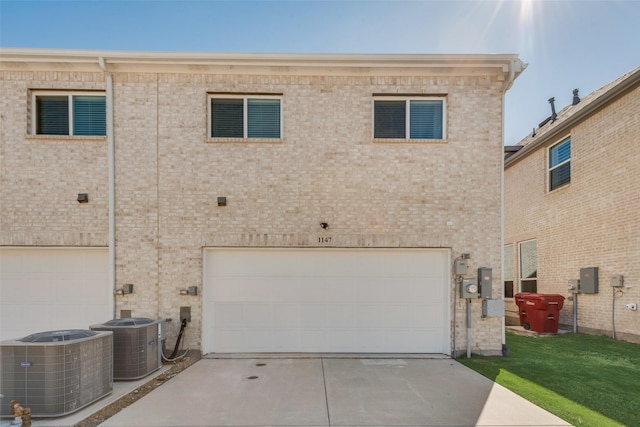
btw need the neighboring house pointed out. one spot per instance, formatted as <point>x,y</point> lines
<point>282,202</point>
<point>572,201</point>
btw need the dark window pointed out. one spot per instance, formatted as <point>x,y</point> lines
<point>419,118</point>
<point>227,118</point>
<point>245,117</point>
<point>389,119</point>
<point>87,115</point>
<point>508,288</point>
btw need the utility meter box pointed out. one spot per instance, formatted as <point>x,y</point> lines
<point>469,288</point>
<point>461,267</point>
<point>589,280</point>
<point>617,281</point>
<point>485,281</point>
<point>573,286</point>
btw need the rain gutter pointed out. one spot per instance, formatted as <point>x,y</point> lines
<point>111,179</point>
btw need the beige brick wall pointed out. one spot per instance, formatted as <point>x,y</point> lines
<point>592,222</point>
<point>326,168</point>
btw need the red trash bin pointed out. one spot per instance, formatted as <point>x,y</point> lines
<point>539,312</point>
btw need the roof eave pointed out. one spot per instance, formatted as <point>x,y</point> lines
<point>474,64</point>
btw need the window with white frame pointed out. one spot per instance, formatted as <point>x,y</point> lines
<point>560,164</point>
<point>409,118</point>
<point>72,114</point>
<point>245,116</point>
<point>528,266</point>
<point>508,271</point>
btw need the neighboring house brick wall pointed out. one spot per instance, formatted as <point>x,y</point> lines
<point>592,222</point>
<point>326,168</point>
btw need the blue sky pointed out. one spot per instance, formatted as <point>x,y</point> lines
<point>567,44</point>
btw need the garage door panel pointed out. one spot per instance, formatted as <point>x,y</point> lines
<point>312,316</point>
<point>372,290</point>
<point>325,300</point>
<point>340,315</point>
<point>370,316</point>
<point>228,314</point>
<point>286,316</point>
<point>53,288</point>
<point>258,340</point>
<point>404,289</point>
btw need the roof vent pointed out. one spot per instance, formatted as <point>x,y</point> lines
<point>553,109</point>
<point>576,98</point>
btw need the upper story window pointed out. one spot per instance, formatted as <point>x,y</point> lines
<point>72,114</point>
<point>245,116</point>
<point>560,164</point>
<point>408,118</point>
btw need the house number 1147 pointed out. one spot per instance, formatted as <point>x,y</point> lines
<point>326,239</point>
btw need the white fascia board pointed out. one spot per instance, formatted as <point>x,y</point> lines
<point>252,63</point>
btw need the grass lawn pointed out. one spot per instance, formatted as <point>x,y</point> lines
<point>586,380</point>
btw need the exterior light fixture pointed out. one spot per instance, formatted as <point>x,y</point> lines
<point>83,198</point>
<point>191,290</point>
<point>125,290</point>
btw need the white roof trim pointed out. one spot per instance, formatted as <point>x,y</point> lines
<point>353,64</point>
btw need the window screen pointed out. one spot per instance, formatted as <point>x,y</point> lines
<point>408,118</point>
<point>227,117</point>
<point>81,115</point>
<point>389,119</point>
<point>528,266</point>
<point>560,165</point>
<point>239,117</point>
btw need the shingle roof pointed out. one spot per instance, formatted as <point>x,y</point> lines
<point>570,114</point>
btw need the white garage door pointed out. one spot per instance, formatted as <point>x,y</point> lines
<point>326,300</point>
<point>53,288</point>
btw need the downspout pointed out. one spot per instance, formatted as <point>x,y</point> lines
<point>112,180</point>
<point>507,86</point>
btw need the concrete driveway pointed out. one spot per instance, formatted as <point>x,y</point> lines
<point>331,392</point>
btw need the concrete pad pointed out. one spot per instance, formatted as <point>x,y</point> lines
<point>405,392</point>
<point>331,391</point>
<point>212,392</point>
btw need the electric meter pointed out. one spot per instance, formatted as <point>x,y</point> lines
<point>469,288</point>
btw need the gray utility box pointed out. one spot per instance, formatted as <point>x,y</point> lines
<point>137,350</point>
<point>56,373</point>
<point>493,307</point>
<point>589,280</point>
<point>485,281</point>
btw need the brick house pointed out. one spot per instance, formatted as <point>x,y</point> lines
<point>283,202</point>
<point>572,201</point>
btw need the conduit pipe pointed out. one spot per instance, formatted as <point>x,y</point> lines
<point>111,178</point>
